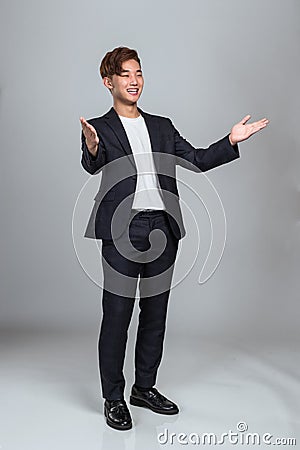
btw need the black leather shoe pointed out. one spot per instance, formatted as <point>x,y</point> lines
<point>117,414</point>
<point>153,400</point>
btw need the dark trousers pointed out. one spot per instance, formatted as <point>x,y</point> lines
<point>122,266</point>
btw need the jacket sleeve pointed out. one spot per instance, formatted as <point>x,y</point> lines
<point>218,153</point>
<point>92,164</point>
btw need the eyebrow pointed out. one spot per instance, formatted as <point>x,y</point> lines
<point>127,70</point>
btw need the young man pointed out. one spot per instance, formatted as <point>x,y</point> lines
<point>137,154</point>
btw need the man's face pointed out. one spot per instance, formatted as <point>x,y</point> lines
<point>127,87</point>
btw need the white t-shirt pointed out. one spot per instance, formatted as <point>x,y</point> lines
<point>147,194</point>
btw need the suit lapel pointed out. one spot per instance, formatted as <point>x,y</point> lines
<point>153,129</point>
<point>113,121</point>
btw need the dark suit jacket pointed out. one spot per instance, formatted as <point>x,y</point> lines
<point>119,174</point>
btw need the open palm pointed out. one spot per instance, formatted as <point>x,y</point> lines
<point>90,134</point>
<point>243,130</point>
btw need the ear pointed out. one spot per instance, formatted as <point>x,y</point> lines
<point>107,83</point>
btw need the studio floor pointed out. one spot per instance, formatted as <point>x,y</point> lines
<point>50,393</point>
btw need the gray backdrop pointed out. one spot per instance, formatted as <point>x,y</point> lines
<point>206,65</point>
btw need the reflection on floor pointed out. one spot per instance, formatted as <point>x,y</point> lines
<point>50,393</point>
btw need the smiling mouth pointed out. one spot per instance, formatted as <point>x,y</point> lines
<point>133,91</point>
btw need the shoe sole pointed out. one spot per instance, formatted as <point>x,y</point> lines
<point>115,426</point>
<point>138,402</point>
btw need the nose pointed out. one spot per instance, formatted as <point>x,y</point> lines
<point>133,81</point>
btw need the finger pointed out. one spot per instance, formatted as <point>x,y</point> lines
<point>85,128</point>
<point>265,121</point>
<point>84,123</point>
<point>245,119</point>
<point>88,127</point>
<point>256,127</point>
<point>260,123</point>
<point>91,129</point>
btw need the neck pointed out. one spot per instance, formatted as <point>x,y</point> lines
<point>126,110</point>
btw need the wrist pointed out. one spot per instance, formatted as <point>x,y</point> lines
<point>232,142</point>
<point>92,149</point>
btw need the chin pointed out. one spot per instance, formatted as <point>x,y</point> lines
<point>132,101</point>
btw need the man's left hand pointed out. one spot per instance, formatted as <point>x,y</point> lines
<point>243,130</point>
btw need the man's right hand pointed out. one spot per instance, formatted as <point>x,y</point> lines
<point>91,137</point>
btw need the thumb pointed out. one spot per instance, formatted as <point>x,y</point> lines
<point>245,119</point>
